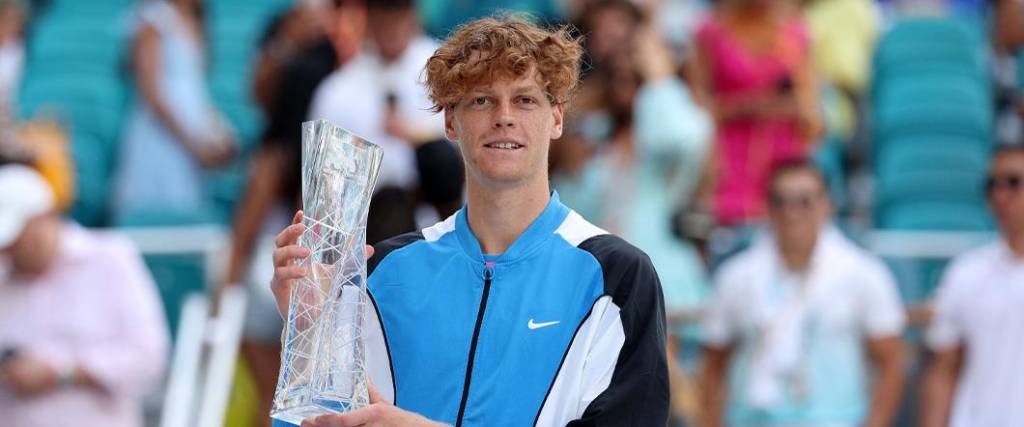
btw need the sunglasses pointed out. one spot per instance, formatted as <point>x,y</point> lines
<point>800,201</point>
<point>1004,182</point>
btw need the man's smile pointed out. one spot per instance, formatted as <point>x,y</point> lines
<point>504,145</point>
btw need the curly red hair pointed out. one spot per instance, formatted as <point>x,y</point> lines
<point>489,48</point>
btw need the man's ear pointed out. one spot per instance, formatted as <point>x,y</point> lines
<point>449,125</point>
<point>557,113</point>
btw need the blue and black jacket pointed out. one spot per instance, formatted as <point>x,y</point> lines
<point>567,327</point>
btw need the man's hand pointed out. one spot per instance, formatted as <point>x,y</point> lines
<point>285,255</point>
<point>378,414</point>
<point>28,376</point>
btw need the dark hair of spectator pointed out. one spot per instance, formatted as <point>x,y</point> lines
<point>1008,149</point>
<point>795,165</point>
<point>626,6</point>
<point>390,4</point>
<point>338,4</point>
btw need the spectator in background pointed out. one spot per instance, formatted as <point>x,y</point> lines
<point>648,138</point>
<point>793,317</point>
<point>378,96</point>
<point>610,28</point>
<point>82,333</point>
<point>288,36</point>
<point>842,35</point>
<point>1008,23</point>
<point>12,54</point>
<point>752,70</point>
<point>1008,37</point>
<point>976,376</point>
<point>275,176</point>
<point>173,130</point>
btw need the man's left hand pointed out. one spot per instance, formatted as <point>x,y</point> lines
<point>378,414</point>
<point>28,376</point>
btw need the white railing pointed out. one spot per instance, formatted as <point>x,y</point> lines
<point>924,244</point>
<point>206,346</point>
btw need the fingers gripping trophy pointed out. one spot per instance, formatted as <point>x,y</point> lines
<point>322,360</point>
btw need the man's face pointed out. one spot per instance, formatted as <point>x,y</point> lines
<point>37,247</point>
<point>505,129</point>
<point>799,207</point>
<point>1006,190</point>
<point>392,30</point>
<point>346,27</point>
<point>613,30</point>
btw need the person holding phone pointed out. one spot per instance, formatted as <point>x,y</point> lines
<point>752,71</point>
<point>82,331</point>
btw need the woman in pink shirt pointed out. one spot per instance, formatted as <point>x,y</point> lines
<point>752,71</point>
<point>82,331</point>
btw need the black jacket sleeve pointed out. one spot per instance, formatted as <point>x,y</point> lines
<point>638,394</point>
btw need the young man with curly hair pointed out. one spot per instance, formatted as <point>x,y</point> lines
<point>515,311</point>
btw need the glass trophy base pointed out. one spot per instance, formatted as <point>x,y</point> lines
<point>297,414</point>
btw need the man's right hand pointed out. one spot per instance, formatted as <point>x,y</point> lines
<point>285,269</point>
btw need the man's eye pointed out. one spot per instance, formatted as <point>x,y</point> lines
<point>480,100</point>
<point>527,100</point>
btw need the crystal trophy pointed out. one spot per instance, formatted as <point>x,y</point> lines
<point>322,356</point>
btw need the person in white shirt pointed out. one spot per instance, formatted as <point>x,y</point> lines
<point>82,332</point>
<point>379,96</point>
<point>801,320</point>
<point>976,375</point>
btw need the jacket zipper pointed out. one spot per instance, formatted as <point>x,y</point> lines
<point>488,266</point>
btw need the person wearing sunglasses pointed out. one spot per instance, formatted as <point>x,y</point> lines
<point>976,375</point>
<point>806,325</point>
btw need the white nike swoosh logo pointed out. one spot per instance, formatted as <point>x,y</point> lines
<point>532,325</point>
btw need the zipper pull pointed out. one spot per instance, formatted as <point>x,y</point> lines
<point>488,270</point>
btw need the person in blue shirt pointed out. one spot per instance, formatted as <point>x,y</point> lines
<point>514,311</point>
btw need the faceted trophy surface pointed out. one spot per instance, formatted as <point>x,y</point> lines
<point>322,355</point>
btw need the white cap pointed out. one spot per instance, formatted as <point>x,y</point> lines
<point>24,194</point>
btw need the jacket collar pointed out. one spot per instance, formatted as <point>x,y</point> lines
<point>541,229</point>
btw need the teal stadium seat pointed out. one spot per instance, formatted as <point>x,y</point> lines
<point>922,58</point>
<point>930,184</point>
<point>92,177</point>
<point>86,104</point>
<point>234,28</point>
<point>177,276</point>
<point>949,105</point>
<point>163,218</point>
<point>933,127</point>
<point>936,216</point>
<point>917,42</point>
<point>934,155</point>
<point>1020,70</point>
<point>76,61</point>
<point>829,157</point>
<point>932,150</point>
<point>917,278</point>
<point>74,73</point>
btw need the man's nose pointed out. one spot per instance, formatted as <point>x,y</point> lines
<point>503,116</point>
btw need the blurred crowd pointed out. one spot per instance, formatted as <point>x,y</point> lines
<point>731,140</point>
